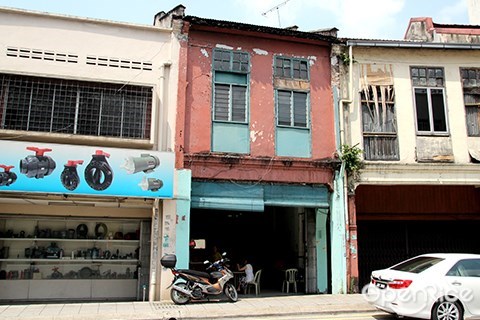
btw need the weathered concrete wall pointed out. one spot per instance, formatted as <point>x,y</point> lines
<point>401,60</point>
<point>39,44</point>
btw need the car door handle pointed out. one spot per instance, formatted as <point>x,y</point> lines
<point>456,283</point>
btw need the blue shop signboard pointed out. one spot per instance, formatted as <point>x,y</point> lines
<point>85,170</point>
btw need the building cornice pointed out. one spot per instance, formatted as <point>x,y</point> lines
<point>420,174</point>
<point>410,44</point>
<point>9,10</point>
<point>213,166</point>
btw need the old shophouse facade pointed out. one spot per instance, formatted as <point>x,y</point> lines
<point>255,105</point>
<point>412,108</point>
<point>88,186</point>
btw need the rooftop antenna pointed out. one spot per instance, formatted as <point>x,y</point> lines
<point>278,11</point>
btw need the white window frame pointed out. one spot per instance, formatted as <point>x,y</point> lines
<point>429,85</point>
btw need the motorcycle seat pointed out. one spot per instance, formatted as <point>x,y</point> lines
<point>195,273</point>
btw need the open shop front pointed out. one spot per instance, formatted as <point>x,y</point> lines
<point>68,236</point>
<point>273,227</point>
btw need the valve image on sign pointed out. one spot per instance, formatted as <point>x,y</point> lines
<point>38,165</point>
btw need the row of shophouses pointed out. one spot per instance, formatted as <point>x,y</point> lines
<point>124,142</point>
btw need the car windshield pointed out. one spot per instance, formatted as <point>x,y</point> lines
<point>417,265</point>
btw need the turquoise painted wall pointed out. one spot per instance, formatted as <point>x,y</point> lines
<point>293,142</point>
<point>224,133</point>
<point>182,229</point>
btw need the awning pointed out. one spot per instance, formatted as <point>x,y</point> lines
<point>254,197</point>
<point>296,196</point>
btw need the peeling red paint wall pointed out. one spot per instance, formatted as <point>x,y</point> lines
<point>198,91</point>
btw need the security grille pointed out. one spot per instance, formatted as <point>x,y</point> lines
<point>74,107</point>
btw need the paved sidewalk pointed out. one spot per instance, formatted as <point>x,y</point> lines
<point>244,307</point>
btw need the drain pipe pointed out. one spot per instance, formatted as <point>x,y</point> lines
<point>343,139</point>
<point>346,101</point>
<point>349,98</point>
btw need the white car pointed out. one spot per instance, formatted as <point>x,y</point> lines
<point>440,286</point>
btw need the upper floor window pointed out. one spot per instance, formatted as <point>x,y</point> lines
<point>292,105</point>
<point>292,68</point>
<point>292,109</point>
<point>471,99</point>
<point>429,92</point>
<point>379,122</point>
<point>230,61</point>
<point>230,85</point>
<point>230,102</point>
<point>74,107</point>
<point>230,130</point>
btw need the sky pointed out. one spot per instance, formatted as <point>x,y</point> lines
<point>367,19</point>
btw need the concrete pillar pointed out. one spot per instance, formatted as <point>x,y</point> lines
<point>155,252</point>
<point>352,246</point>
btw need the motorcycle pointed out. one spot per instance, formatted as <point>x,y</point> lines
<point>198,285</point>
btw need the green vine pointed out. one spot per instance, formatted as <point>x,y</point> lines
<point>351,156</point>
<point>345,58</point>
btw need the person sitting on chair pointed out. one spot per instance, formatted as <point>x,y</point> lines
<point>216,255</point>
<point>248,277</point>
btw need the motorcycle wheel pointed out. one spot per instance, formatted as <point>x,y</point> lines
<point>179,297</point>
<point>230,292</point>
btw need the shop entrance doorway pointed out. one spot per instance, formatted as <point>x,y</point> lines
<point>273,240</point>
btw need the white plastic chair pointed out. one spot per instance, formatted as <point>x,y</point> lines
<point>255,283</point>
<point>290,279</point>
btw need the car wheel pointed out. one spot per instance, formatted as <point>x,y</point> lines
<point>447,309</point>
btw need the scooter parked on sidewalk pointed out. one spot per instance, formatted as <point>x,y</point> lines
<point>198,285</point>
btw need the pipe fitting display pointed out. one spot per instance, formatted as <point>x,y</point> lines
<point>151,184</point>
<point>7,177</point>
<point>146,163</point>
<point>69,177</point>
<point>38,165</point>
<point>98,173</point>
<point>86,170</point>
